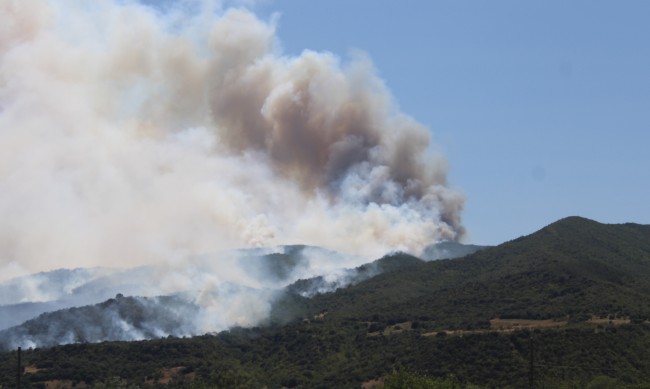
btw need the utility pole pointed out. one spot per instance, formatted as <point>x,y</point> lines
<point>531,378</point>
<point>19,371</point>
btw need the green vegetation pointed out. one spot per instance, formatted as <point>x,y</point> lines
<point>407,380</point>
<point>575,268</point>
<point>422,325</point>
<point>322,356</point>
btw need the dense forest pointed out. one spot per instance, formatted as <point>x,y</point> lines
<point>320,356</point>
<point>566,307</point>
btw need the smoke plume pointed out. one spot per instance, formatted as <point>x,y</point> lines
<point>131,135</point>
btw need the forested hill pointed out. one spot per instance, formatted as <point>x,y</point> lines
<point>574,267</point>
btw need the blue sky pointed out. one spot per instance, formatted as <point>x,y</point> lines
<point>542,108</point>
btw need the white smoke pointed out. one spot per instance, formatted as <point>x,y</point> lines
<point>132,136</point>
<point>128,136</point>
<point>203,294</point>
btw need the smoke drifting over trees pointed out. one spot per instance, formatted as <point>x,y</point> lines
<point>129,135</point>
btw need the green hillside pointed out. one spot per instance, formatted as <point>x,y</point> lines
<point>579,288</point>
<point>573,268</point>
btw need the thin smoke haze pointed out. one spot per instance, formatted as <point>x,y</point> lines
<point>132,136</point>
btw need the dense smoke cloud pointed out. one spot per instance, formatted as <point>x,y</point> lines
<point>132,136</point>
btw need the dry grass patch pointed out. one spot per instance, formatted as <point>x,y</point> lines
<point>378,383</point>
<point>606,320</point>
<point>393,329</point>
<point>505,325</point>
<point>31,369</point>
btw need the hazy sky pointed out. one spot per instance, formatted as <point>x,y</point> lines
<point>542,108</point>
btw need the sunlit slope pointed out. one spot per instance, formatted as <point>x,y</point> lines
<point>572,268</point>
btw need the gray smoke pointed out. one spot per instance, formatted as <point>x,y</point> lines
<point>131,136</point>
<point>201,296</point>
<point>260,284</point>
<point>121,318</point>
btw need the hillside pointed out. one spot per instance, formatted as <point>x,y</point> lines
<point>449,250</point>
<point>139,318</point>
<point>77,305</point>
<point>441,318</point>
<point>121,318</point>
<point>573,268</point>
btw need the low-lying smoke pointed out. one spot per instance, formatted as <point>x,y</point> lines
<point>204,294</point>
<point>131,135</point>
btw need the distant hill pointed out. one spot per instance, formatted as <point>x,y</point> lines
<point>25,298</point>
<point>449,250</point>
<point>187,313</point>
<point>121,318</point>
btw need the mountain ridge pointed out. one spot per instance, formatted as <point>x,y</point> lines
<point>557,273</point>
<point>92,324</point>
